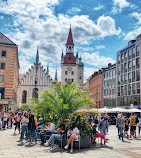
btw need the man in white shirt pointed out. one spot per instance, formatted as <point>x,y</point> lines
<point>48,130</point>
<point>4,119</point>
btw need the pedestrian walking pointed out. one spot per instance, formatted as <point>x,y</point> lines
<point>133,124</point>
<point>120,122</point>
<point>126,126</point>
<point>17,119</point>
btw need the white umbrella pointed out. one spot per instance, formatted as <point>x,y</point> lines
<point>134,110</point>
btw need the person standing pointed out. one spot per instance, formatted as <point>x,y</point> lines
<point>120,122</point>
<point>133,125</point>
<point>139,125</point>
<point>126,127</point>
<point>24,121</point>
<point>4,120</point>
<point>32,128</point>
<point>17,119</point>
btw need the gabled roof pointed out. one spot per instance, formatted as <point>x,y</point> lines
<point>4,40</point>
<point>70,38</point>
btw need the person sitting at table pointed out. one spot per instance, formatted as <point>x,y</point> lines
<point>56,136</point>
<point>48,130</point>
<point>73,133</point>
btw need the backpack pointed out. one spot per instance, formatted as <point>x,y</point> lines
<point>137,120</point>
<point>36,123</point>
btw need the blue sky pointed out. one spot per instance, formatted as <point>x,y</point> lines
<point>100,28</point>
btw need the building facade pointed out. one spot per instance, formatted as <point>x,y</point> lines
<point>128,74</point>
<point>95,88</point>
<point>109,86</point>
<point>35,81</point>
<point>72,68</point>
<point>9,73</point>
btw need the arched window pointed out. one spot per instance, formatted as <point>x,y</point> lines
<point>35,93</point>
<point>24,96</point>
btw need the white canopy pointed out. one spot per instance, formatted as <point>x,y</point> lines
<point>134,110</point>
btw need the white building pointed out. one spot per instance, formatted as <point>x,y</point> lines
<point>72,69</point>
<point>34,82</point>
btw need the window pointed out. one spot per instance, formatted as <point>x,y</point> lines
<point>129,89</point>
<point>80,77</point>
<point>66,72</point>
<point>118,80</point>
<point>129,54</point>
<point>1,78</point>
<point>69,57</point>
<point>137,51</point>
<point>104,75</point>
<point>72,79</point>
<point>2,65</point>
<point>121,90</point>
<point>2,91</point>
<point>133,52</point>
<point>129,66</point>
<point>138,88</point>
<point>118,91</point>
<point>137,63</point>
<point>110,74</point>
<point>129,77</point>
<point>119,69</point>
<point>72,72</point>
<point>133,64</point>
<point>35,93</point>
<point>138,75</point>
<point>113,73</point>
<point>24,96</point>
<point>3,53</point>
<point>121,79</point>
<point>69,47</point>
<point>125,89</point>
<point>65,79</point>
<point>133,76</point>
<point>118,58</point>
<point>125,67</point>
<point>125,78</point>
<point>107,74</point>
<point>125,56</point>
<point>122,57</point>
<point>133,88</point>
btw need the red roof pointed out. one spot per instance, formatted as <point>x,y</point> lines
<point>69,59</point>
<point>70,38</point>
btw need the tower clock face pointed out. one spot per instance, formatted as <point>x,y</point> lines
<point>69,68</point>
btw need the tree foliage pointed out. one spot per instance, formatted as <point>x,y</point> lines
<point>63,101</point>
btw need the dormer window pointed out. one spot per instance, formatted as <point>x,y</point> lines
<point>69,47</point>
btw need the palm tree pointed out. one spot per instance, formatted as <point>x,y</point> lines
<point>63,101</point>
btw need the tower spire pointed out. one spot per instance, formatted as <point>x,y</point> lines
<point>56,78</point>
<point>37,57</point>
<point>47,69</point>
<point>62,54</point>
<point>77,55</point>
<point>70,38</point>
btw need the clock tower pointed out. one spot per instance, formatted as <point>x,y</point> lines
<point>71,66</point>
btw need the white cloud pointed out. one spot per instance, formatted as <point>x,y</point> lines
<point>100,47</point>
<point>85,43</point>
<point>137,16</point>
<point>119,5</point>
<point>73,11</point>
<point>88,72</point>
<point>134,33</point>
<point>95,59</point>
<point>36,25</point>
<point>99,7</point>
<point>137,30</point>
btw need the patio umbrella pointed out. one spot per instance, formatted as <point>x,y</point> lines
<point>134,110</point>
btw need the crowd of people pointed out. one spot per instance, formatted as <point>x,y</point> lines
<point>29,128</point>
<point>124,124</point>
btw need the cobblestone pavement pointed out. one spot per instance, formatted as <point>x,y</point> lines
<point>11,148</point>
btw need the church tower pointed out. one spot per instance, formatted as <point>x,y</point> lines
<point>71,66</point>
